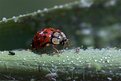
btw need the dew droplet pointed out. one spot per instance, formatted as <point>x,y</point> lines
<point>67,56</point>
<point>63,60</point>
<point>101,59</point>
<point>95,60</point>
<point>119,67</point>
<point>109,78</point>
<point>20,15</point>
<point>34,13</point>
<point>72,61</point>
<point>105,57</point>
<point>68,59</point>
<point>32,79</point>
<point>24,58</point>
<point>107,61</point>
<point>43,64</point>
<point>56,7</point>
<point>80,61</point>
<point>38,11</point>
<point>45,9</point>
<point>86,31</point>
<point>61,6</point>
<point>23,15</point>
<point>66,5</point>
<point>4,19</point>
<point>86,3</point>
<point>110,3</point>
<point>52,61</point>
<point>2,52</point>
<point>15,19</point>
<point>77,58</point>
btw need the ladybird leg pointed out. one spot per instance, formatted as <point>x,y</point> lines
<point>54,47</point>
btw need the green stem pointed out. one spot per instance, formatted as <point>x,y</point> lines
<point>86,65</point>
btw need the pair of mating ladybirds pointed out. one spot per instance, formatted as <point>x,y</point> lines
<point>47,37</point>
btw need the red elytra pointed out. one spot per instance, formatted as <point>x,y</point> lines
<point>48,36</point>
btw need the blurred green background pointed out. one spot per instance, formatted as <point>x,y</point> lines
<point>88,23</point>
<point>10,8</point>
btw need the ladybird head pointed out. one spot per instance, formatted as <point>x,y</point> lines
<point>59,38</point>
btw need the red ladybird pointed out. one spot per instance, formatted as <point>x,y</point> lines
<point>47,37</point>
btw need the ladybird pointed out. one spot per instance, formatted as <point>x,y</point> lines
<point>47,37</point>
